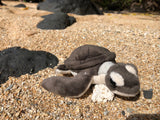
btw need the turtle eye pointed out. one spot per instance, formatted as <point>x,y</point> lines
<point>112,82</point>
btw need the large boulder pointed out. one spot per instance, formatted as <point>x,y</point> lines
<point>17,61</point>
<point>1,3</point>
<point>151,5</point>
<point>81,7</point>
<point>137,7</point>
<point>20,6</point>
<point>145,6</point>
<point>56,21</point>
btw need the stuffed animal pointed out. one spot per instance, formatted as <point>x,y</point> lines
<point>91,64</point>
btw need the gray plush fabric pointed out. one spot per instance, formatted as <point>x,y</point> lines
<point>88,56</point>
<point>131,86</point>
<point>86,61</point>
<point>69,86</point>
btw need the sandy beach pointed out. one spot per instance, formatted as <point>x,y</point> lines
<point>134,37</point>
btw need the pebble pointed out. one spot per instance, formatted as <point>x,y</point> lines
<point>106,112</point>
<point>37,118</point>
<point>69,102</point>
<point>20,5</point>
<point>9,88</point>
<point>130,110</point>
<point>123,113</point>
<point>61,102</point>
<point>1,109</point>
<point>148,93</point>
<point>77,110</point>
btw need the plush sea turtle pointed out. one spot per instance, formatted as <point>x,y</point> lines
<point>91,64</point>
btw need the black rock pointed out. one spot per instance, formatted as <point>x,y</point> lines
<point>123,113</point>
<point>69,102</point>
<point>141,116</point>
<point>1,3</point>
<point>18,61</point>
<point>148,93</point>
<point>81,7</point>
<point>56,21</point>
<point>137,7</point>
<point>20,5</point>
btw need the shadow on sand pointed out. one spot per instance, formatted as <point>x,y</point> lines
<point>144,117</point>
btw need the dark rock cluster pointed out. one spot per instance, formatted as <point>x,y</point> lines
<point>81,7</point>
<point>21,6</point>
<point>145,6</point>
<point>1,3</point>
<point>18,61</point>
<point>60,8</point>
<point>58,20</point>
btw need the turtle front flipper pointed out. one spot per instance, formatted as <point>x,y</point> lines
<point>69,86</point>
<point>62,69</point>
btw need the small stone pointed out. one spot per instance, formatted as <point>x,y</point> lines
<point>20,5</point>
<point>61,102</point>
<point>95,117</point>
<point>123,112</point>
<point>8,88</point>
<point>37,117</point>
<point>69,102</point>
<point>57,117</point>
<point>77,110</point>
<point>105,112</point>
<point>52,114</point>
<point>17,114</point>
<point>87,107</point>
<point>1,109</point>
<point>130,110</point>
<point>148,93</point>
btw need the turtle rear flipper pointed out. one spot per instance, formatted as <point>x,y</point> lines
<point>69,86</point>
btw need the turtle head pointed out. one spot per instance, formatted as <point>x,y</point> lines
<point>122,79</point>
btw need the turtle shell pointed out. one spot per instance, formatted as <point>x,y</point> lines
<point>87,56</point>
